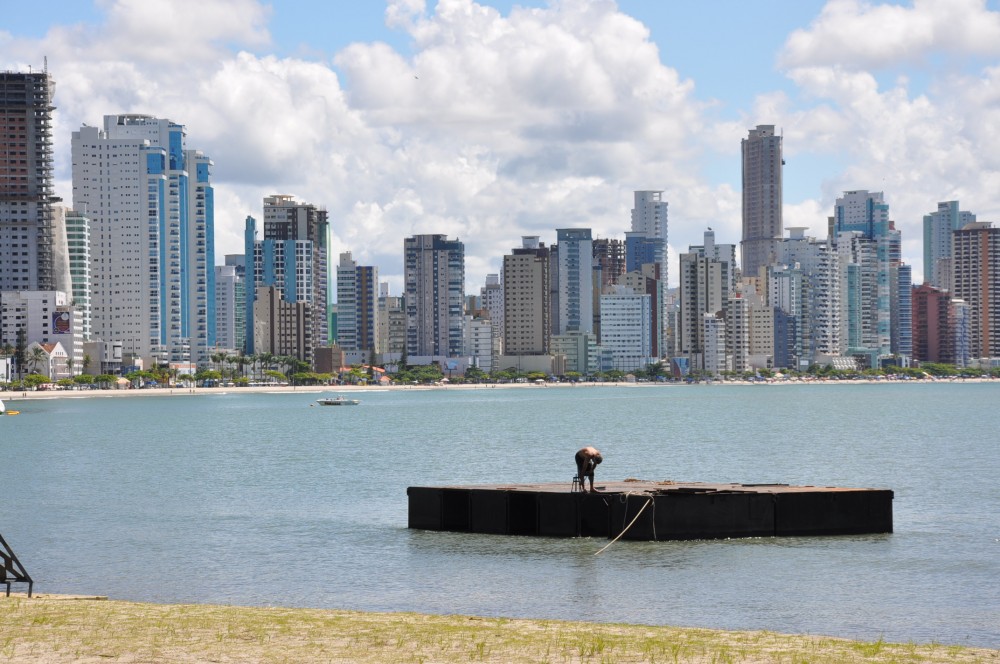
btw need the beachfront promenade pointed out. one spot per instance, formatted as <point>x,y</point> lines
<point>180,390</point>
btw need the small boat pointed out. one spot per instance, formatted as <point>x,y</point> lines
<point>337,401</point>
<point>4,411</point>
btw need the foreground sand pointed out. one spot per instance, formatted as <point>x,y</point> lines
<point>52,629</point>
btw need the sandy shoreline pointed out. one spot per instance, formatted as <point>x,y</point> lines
<point>13,396</point>
<point>49,631</point>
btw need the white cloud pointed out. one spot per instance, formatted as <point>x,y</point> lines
<point>499,126</point>
<point>496,126</point>
<point>856,34</point>
<point>919,147</point>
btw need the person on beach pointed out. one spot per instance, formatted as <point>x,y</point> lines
<point>586,461</point>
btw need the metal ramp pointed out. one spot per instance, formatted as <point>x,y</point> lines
<point>11,569</point>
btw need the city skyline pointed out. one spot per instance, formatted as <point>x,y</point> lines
<point>488,121</point>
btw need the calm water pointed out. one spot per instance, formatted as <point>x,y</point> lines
<point>263,499</point>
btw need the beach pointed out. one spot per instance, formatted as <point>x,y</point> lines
<point>18,395</point>
<point>52,629</point>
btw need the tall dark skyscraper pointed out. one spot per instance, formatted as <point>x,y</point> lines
<point>26,221</point>
<point>762,225</point>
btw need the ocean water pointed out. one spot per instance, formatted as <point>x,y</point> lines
<point>265,499</point>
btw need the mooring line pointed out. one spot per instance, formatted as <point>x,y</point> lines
<point>648,503</point>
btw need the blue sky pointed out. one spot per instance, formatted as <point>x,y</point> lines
<point>491,120</point>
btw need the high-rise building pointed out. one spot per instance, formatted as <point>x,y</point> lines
<point>724,253</point>
<point>230,299</point>
<point>151,206</point>
<point>646,243</point>
<point>818,262</point>
<point>293,257</point>
<point>940,327</point>
<point>26,225</point>
<point>975,276</point>
<point>649,214</point>
<point>526,308</point>
<point>481,345</point>
<point>78,251</point>
<point>575,280</point>
<point>641,250</point>
<point>863,216</point>
<point>649,220</point>
<point>357,304</point>
<point>787,293</point>
<point>762,191</point>
<point>627,327</point>
<point>303,232</point>
<point>738,322</point>
<point>434,277</point>
<point>704,292</point>
<point>491,298</point>
<point>391,322</point>
<point>647,280</point>
<point>859,297</point>
<point>609,259</point>
<point>938,229</point>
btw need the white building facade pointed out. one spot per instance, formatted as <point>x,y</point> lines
<point>151,206</point>
<point>626,328</point>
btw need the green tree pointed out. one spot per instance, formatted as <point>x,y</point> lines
<point>105,380</point>
<point>86,362</point>
<point>210,376</point>
<point>32,381</point>
<point>36,357</point>
<point>475,374</point>
<point>83,379</point>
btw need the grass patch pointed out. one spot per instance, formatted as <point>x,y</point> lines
<point>49,631</point>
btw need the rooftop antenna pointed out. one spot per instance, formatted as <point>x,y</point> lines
<point>45,61</point>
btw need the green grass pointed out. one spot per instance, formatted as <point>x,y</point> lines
<point>48,630</point>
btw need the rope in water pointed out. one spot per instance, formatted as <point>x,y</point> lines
<point>648,503</point>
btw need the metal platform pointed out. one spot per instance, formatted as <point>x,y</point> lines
<point>11,569</point>
<point>665,510</point>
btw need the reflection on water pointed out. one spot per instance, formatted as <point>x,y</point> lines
<point>263,499</point>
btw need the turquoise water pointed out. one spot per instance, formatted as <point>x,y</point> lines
<point>264,499</point>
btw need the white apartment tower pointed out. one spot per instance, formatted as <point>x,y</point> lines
<point>151,206</point>
<point>78,251</point>
<point>649,218</point>
<point>703,292</point>
<point>627,327</point>
<point>939,227</point>
<point>819,263</point>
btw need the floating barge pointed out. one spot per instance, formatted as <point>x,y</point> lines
<point>665,510</point>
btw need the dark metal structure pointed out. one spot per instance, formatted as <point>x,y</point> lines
<point>11,569</point>
<point>652,510</point>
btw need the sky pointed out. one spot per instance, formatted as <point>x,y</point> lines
<point>489,120</point>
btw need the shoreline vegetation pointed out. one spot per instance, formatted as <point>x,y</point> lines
<point>50,629</point>
<point>181,390</point>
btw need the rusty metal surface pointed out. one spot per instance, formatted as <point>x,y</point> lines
<point>635,486</point>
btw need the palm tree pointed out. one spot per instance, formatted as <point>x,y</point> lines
<point>35,357</point>
<point>241,361</point>
<point>267,361</point>
<point>86,362</point>
<point>69,365</point>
